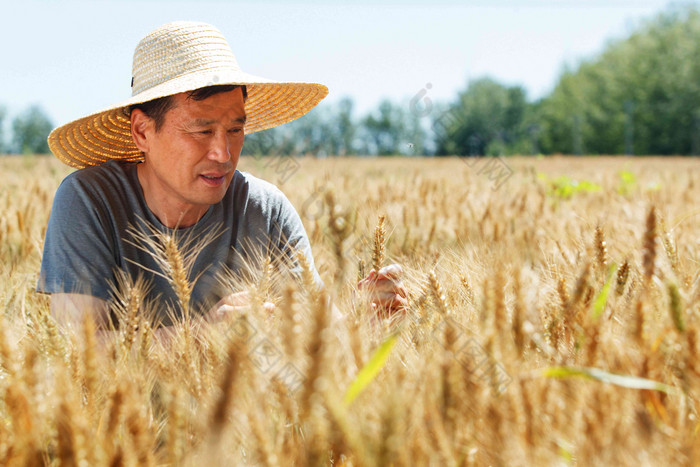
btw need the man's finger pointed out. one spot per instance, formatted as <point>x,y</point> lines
<point>386,285</point>
<point>385,296</point>
<point>236,299</point>
<point>392,305</point>
<point>393,271</point>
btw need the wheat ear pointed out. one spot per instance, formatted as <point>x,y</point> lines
<point>650,235</point>
<point>378,249</point>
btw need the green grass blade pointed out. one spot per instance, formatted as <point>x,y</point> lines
<point>632,382</point>
<point>676,307</point>
<point>370,370</point>
<point>602,298</point>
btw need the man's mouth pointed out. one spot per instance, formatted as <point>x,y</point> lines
<point>213,180</point>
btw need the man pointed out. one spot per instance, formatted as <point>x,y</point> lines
<point>164,162</point>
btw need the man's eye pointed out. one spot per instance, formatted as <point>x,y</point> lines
<point>235,130</point>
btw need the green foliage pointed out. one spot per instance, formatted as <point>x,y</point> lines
<point>30,130</point>
<point>487,119</point>
<point>641,96</point>
<point>596,374</point>
<point>370,370</point>
<point>628,182</point>
<point>385,130</point>
<point>676,307</point>
<point>602,298</point>
<point>345,128</point>
<point>565,187</point>
<point>326,130</point>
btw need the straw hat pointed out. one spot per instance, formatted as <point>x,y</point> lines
<point>178,57</point>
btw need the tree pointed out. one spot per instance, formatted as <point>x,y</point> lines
<point>385,130</point>
<point>323,131</point>
<point>641,95</point>
<point>416,135</point>
<point>312,134</point>
<point>487,118</point>
<point>262,143</point>
<point>30,130</point>
<point>344,128</point>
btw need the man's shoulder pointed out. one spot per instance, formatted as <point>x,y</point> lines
<point>254,183</point>
<point>256,189</point>
<point>255,198</point>
<point>106,187</point>
<point>99,177</point>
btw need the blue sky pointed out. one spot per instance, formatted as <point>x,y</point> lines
<point>73,58</point>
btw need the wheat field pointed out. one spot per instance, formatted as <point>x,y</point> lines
<point>553,320</point>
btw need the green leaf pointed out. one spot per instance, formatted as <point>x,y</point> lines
<point>565,452</point>
<point>564,186</point>
<point>370,370</point>
<point>602,298</point>
<point>676,307</point>
<point>627,178</point>
<point>628,181</point>
<point>588,187</point>
<point>632,382</point>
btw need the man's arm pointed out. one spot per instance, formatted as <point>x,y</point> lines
<point>78,257</point>
<point>69,310</point>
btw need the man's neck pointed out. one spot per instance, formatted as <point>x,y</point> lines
<point>171,214</point>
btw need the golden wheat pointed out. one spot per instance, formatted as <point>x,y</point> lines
<point>502,286</point>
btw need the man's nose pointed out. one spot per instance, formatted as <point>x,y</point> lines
<point>219,150</point>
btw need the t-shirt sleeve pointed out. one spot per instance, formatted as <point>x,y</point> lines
<point>293,237</point>
<point>78,251</point>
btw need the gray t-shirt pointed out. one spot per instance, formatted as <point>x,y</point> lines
<point>88,237</point>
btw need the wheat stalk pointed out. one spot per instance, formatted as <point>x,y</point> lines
<point>649,247</point>
<point>438,294</point>
<point>622,276</point>
<point>316,355</point>
<point>378,248</point>
<point>601,252</point>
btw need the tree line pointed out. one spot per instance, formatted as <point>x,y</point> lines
<point>29,131</point>
<point>641,95</point>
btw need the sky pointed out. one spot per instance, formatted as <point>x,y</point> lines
<point>73,58</point>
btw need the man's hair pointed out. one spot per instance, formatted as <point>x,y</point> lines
<point>157,108</point>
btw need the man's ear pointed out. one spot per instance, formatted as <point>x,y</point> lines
<point>141,128</point>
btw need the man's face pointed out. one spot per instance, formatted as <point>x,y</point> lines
<point>191,160</point>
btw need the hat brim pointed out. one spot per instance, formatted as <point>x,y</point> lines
<point>106,134</point>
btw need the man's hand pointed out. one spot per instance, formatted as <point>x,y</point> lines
<point>231,306</point>
<point>386,290</point>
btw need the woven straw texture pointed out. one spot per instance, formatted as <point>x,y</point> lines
<point>179,57</point>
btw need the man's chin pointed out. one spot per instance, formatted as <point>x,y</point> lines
<point>215,195</point>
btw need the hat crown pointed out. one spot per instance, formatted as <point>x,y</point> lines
<point>177,49</point>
